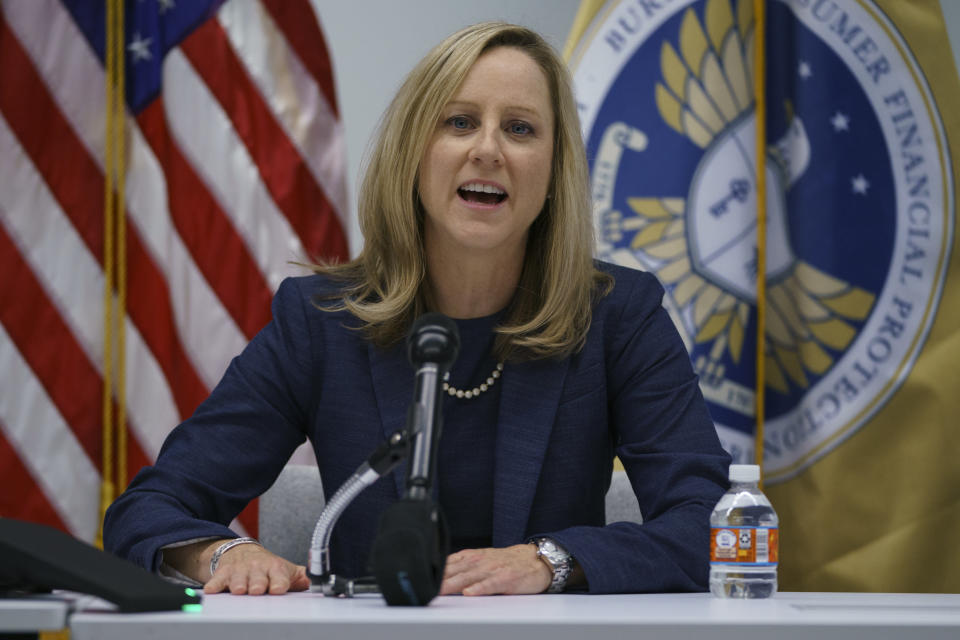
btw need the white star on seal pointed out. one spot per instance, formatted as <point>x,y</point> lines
<point>804,69</point>
<point>140,48</point>
<point>840,122</point>
<point>166,5</point>
<point>860,185</point>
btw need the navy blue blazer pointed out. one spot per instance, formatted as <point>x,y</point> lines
<point>629,392</point>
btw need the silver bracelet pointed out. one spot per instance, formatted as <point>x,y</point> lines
<point>226,546</point>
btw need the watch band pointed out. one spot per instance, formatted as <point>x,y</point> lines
<point>226,546</point>
<point>558,560</point>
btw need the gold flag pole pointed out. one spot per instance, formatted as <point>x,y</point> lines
<point>759,91</point>
<point>120,165</point>
<point>114,267</point>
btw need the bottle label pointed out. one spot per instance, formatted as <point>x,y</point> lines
<point>744,545</point>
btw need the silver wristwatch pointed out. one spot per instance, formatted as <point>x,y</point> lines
<point>559,561</point>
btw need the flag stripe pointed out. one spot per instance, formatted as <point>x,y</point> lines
<point>67,66</point>
<point>211,145</point>
<point>51,245</point>
<point>25,499</point>
<point>49,348</point>
<point>301,29</point>
<point>287,178</point>
<point>170,319</point>
<point>313,126</point>
<point>206,230</point>
<point>47,345</point>
<point>46,444</point>
<point>137,456</point>
<point>153,316</point>
<point>247,520</point>
<point>35,118</point>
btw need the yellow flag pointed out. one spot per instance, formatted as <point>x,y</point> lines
<point>861,338</point>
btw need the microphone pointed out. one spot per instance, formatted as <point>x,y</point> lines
<point>432,347</point>
<point>410,551</point>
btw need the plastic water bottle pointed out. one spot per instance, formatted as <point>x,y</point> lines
<point>743,539</point>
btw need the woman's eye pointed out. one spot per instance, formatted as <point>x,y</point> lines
<point>459,122</point>
<point>520,128</point>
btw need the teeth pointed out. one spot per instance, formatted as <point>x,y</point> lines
<point>482,188</point>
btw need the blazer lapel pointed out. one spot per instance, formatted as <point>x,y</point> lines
<point>528,405</point>
<point>393,382</point>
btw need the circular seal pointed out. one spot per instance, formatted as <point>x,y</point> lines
<point>858,203</point>
<point>726,539</point>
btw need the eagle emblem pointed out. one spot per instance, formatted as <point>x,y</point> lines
<point>666,96</point>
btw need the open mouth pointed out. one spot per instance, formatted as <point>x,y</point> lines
<point>482,193</point>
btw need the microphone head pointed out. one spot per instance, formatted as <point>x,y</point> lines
<point>433,338</point>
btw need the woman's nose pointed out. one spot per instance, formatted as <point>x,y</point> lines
<point>486,147</point>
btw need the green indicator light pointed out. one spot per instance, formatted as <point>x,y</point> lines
<point>190,592</point>
<point>192,608</point>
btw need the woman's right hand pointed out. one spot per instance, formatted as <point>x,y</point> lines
<point>243,569</point>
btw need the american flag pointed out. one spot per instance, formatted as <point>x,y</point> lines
<point>234,159</point>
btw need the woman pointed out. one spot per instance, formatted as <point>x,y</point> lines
<point>475,205</point>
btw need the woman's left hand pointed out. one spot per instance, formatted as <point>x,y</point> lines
<point>510,570</point>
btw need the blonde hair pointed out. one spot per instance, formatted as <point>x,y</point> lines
<point>386,285</point>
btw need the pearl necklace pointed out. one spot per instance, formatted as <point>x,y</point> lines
<point>472,393</point>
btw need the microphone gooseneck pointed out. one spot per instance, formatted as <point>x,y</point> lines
<point>381,462</point>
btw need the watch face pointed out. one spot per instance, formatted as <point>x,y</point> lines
<point>552,552</point>
<point>558,560</point>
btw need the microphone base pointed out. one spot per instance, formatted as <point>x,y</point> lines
<point>333,586</point>
<point>410,552</point>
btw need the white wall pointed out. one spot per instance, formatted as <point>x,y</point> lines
<point>374,43</point>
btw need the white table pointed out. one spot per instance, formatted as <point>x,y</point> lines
<point>549,617</point>
<point>30,614</point>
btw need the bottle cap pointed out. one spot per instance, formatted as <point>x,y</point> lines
<point>744,473</point>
